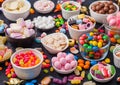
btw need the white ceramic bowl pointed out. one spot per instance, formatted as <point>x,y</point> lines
<point>44,11</point>
<point>28,72</point>
<point>75,34</point>
<point>67,14</point>
<point>116,58</point>
<point>14,16</point>
<point>63,71</point>
<point>101,80</point>
<point>100,17</point>
<point>54,51</point>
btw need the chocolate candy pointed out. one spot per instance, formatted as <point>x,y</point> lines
<point>104,7</point>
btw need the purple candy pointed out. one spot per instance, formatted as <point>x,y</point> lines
<point>64,80</point>
<point>71,77</point>
<point>99,76</point>
<point>57,81</point>
<point>93,72</point>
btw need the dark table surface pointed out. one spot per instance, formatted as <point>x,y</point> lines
<point>54,74</point>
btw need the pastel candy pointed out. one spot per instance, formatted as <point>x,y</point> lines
<point>112,22</point>
<point>62,61</point>
<point>85,20</point>
<point>79,21</point>
<point>57,64</point>
<point>59,55</point>
<point>67,66</point>
<point>118,14</point>
<point>68,58</point>
<point>81,26</point>
<point>109,17</point>
<point>71,56</point>
<point>15,35</point>
<point>73,64</point>
<point>54,59</point>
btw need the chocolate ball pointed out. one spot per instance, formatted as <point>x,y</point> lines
<point>106,9</point>
<point>101,11</point>
<point>98,7</point>
<point>110,2</point>
<point>93,8</point>
<point>111,11</point>
<point>112,7</point>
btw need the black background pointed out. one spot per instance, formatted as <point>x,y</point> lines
<point>54,74</point>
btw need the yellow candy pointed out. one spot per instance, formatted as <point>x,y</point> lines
<point>0,58</point>
<point>107,60</point>
<point>91,42</point>
<point>69,6</point>
<point>81,16</point>
<point>91,33</point>
<point>95,30</point>
<point>99,44</point>
<point>118,41</point>
<point>71,42</point>
<point>79,68</point>
<point>51,69</point>
<point>73,9</point>
<point>75,81</point>
<point>83,74</point>
<point>94,43</point>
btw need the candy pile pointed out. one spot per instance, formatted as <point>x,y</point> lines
<point>59,21</point>
<point>70,7</point>
<point>56,41</point>
<point>9,72</point>
<point>44,22</point>
<point>26,59</point>
<point>64,62</point>
<point>44,6</point>
<point>103,71</point>
<point>81,22</point>
<point>16,6</point>
<point>106,7</point>
<point>91,45</point>
<point>21,29</point>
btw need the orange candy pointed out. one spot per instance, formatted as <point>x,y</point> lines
<point>86,66</point>
<point>81,61</point>
<point>32,11</point>
<point>1,68</point>
<point>47,61</point>
<point>1,1</point>
<point>87,62</point>
<point>81,64</point>
<point>113,40</point>
<point>6,63</point>
<point>112,32</point>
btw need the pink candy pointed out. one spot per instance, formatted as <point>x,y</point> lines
<point>64,61</point>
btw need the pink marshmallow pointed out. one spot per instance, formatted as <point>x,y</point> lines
<point>57,65</point>
<point>64,54</point>
<point>62,61</point>
<point>81,26</point>
<point>73,64</point>
<point>85,20</point>
<point>71,56</point>
<point>68,59</point>
<point>54,59</point>
<point>118,14</point>
<point>109,17</point>
<point>112,22</point>
<point>59,55</point>
<point>67,66</point>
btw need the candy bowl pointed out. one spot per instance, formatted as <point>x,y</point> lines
<point>21,33</point>
<point>80,24</point>
<point>55,42</point>
<point>14,9</point>
<point>44,6</point>
<point>102,9</point>
<point>27,63</point>
<point>70,8</point>
<point>44,23</point>
<point>94,46</point>
<point>64,63</point>
<point>102,72</point>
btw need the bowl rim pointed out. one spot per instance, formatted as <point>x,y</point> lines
<point>67,42</point>
<point>81,30</point>
<point>101,79</point>
<point>26,49</point>
<point>63,71</point>
<point>117,8</point>
<point>117,48</point>
<point>48,10</point>
<point>74,2</point>
<point>7,1</point>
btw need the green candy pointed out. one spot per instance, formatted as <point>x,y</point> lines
<point>98,72</point>
<point>56,20</point>
<point>112,70</point>
<point>91,55</point>
<point>89,77</point>
<point>45,71</point>
<point>68,9</point>
<point>89,48</point>
<point>116,36</point>
<point>105,37</point>
<point>85,45</point>
<point>57,24</point>
<point>112,48</point>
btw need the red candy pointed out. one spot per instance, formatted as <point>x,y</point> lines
<point>26,59</point>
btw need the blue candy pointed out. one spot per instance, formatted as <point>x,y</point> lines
<point>28,83</point>
<point>95,48</point>
<point>37,40</point>
<point>93,62</point>
<point>79,21</point>
<point>76,57</point>
<point>2,28</point>
<point>90,38</point>
<point>62,30</point>
<point>34,81</point>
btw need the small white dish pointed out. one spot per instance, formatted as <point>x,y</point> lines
<point>50,49</point>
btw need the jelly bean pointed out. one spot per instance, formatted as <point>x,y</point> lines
<point>83,74</point>
<point>79,21</point>
<point>44,56</point>
<point>112,48</point>
<point>71,77</point>
<point>34,81</point>
<point>6,63</point>
<point>9,75</point>
<point>28,83</point>
<point>107,60</point>
<point>113,70</point>
<point>99,44</point>
<point>45,71</point>
<point>81,16</point>
<point>51,69</point>
<point>113,40</point>
<point>79,68</point>
<point>105,37</point>
<point>118,41</point>
<point>46,80</point>
<point>94,43</point>
<point>64,80</point>
<point>85,45</point>
<point>62,30</point>
<point>89,77</point>
<point>76,57</point>
<point>77,78</point>
<point>86,66</point>
<point>77,72</point>
<point>75,82</point>
<point>57,81</point>
<point>1,68</point>
<point>32,11</point>
<point>47,61</point>
<point>93,62</point>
